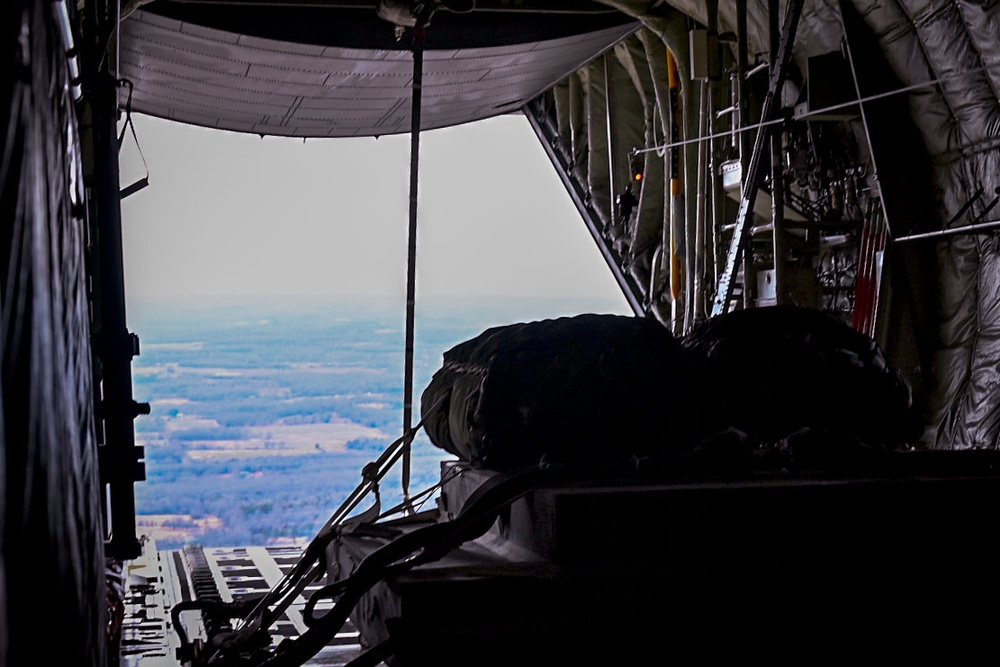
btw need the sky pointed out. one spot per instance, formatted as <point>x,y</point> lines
<point>233,214</point>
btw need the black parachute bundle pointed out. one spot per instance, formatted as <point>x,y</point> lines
<point>583,388</point>
<point>782,369</point>
<point>606,387</point>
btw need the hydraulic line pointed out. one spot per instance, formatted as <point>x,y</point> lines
<point>676,191</point>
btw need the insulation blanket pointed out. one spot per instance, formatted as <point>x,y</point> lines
<point>590,387</point>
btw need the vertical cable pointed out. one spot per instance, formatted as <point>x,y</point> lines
<point>779,249</point>
<point>865,317</point>
<point>742,113</point>
<point>411,258</point>
<point>118,37</point>
<point>696,307</point>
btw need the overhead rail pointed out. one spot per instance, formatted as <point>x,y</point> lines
<point>807,115</point>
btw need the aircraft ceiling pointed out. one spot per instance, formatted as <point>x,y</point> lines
<point>321,72</point>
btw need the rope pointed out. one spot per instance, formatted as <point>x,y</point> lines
<point>411,259</point>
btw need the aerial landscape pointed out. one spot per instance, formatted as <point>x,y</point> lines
<point>264,411</point>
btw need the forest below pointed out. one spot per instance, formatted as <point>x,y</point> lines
<point>264,412</point>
